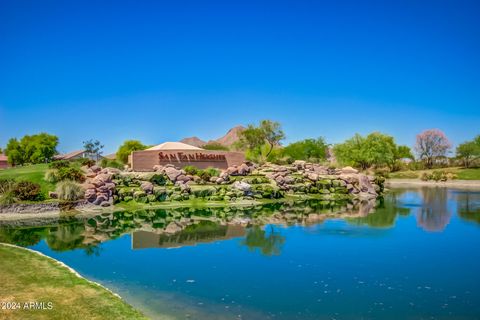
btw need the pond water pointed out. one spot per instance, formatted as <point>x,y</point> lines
<point>415,255</point>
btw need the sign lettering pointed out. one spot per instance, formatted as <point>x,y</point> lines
<point>191,157</point>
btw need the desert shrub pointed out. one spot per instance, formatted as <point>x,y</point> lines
<point>7,198</point>
<point>70,173</point>
<point>438,175</point>
<point>213,172</point>
<point>382,172</point>
<point>51,176</point>
<point>425,176</point>
<point>416,165</point>
<point>158,179</point>
<point>106,163</point>
<point>59,164</point>
<point>6,185</point>
<point>191,170</point>
<point>69,191</point>
<point>87,162</point>
<point>204,175</point>
<point>26,190</point>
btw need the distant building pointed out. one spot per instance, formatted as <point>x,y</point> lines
<point>3,161</point>
<point>79,154</point>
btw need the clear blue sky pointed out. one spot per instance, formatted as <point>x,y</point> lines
<point>164,70</point>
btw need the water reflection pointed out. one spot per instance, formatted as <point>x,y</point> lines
<point>203,232</point>
<point>468,206</point>
<point>386,211</point>
<point>176,227</point>
<point>269,242</point>
<point>434,214</point>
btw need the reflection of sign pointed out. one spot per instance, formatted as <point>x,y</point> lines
<point>191,157</point>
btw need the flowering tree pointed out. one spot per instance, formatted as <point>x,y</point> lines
<point>432,144</point>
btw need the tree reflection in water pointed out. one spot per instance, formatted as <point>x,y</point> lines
<point>193,225</point>
<point>434,214</point>
<point>268,243</point>
<point>385,213</point>
<point>468,205</point>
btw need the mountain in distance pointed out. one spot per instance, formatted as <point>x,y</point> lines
<point>232,136</point>
<point>193,141</point>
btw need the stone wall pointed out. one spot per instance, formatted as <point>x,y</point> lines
<point>24,208</point>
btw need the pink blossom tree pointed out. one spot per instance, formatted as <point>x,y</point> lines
<point>432,144</point>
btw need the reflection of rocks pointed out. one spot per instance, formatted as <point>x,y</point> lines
<point>187,225</point>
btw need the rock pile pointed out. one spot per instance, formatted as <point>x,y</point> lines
<point>99,187</point>
<point>244,182</point>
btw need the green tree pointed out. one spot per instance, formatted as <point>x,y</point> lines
<point>469,151</point>
<point>313,150</point>
<point>93,147</point>
<point>267,132</point>
<point>376,149</point>
<point>272,132</point>
<point>126,149</point>
<point>37,148</point>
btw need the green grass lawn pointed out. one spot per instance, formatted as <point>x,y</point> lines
<point>462,174</point>
<point>33,173</point>
<point>30,277</point>
<point>469,174</point>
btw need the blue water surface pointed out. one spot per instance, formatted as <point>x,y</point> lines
<point>414,257</point>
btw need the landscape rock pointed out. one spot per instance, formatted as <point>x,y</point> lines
<point>347,170</point>
<point>172,173</point>
<point>242,186</point>
<point>147,187</point>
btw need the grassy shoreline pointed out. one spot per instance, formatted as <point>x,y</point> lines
<point>29,276</point>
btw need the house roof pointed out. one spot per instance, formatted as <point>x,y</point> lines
<point>3,157</point>
<point>69,155</point>
<point>174,146</point>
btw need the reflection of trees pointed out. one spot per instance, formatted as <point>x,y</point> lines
<point>66,237</point>
<point>23,237</point>
<point>269,244</point>
<point>434,214</point>
<point>385,213</point>
<point>468,205</point>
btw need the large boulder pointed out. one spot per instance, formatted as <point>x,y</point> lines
<point>365,185</point>
<point>172,173</point>
<point>95,168</point>
<point>299,164</point>
<point>233,170</point>
<point>158,168</point>
<point>90,195</point>
<point>242,186</point>
<point>243,169</point>
<point>103,177</point>
<point>147,187</point>
<point>173,227</point>
<point>183,178</point>
<point>347,170</point>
